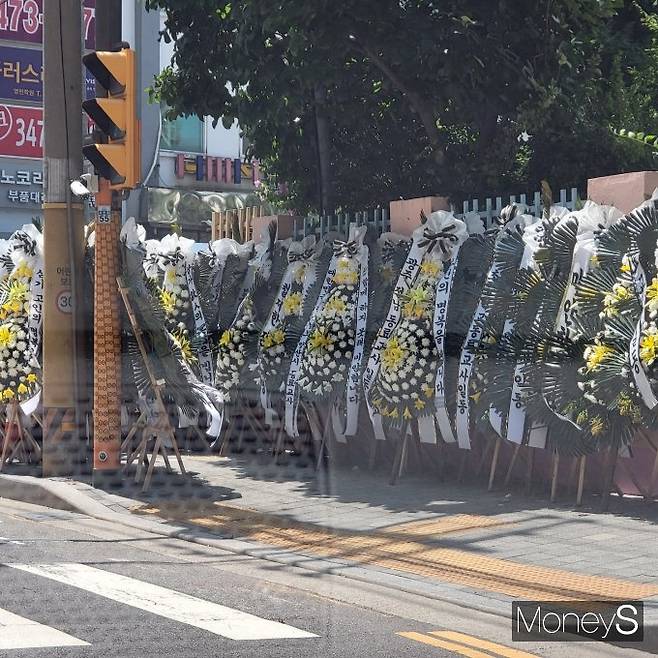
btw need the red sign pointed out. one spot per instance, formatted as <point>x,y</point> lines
<point>21,131</point>
<point>22,20</point>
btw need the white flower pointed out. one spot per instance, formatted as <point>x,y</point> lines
<point>11,363</point>
<point>524,137</point>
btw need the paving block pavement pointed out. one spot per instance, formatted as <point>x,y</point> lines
<point>433,536</point>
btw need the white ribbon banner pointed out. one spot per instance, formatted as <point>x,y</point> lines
<point>440,320</point>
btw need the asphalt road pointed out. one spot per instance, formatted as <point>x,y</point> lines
<point>82,587</point>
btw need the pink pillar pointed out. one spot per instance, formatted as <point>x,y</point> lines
<point>624,191</point>
<point>405,214</point>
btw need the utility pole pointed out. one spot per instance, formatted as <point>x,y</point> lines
<point>107,315</point>
<point>63,356</point>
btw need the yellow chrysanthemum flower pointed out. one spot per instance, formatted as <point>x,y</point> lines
<point>168,301</point>
<point>347,273</point>
<point>336,304</point>
<point>8,394</point>
<point>612,299</point>
<point>23,271</point>
<point>273,338</point>
<point>419,404</point>
<point>393,355</point>
<point>652,290</point>
<point>292,303</point>
<point>319,340</point>
<point>595,355</point>
<point>7,336</point>
<point>626,267</point>
<point>649,347</point>
<point>32,378</point>
<point>183,343</point>
<point>597,426</point>
<point>22,389</point>
<point>18,291</point>
<point>431,269</point>
<point>428,391</point>
<point>416,303</point>
<point>225,338</point>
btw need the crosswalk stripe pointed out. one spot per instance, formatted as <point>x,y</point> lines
<point>20,633</point>
<point>491,647</point>
<point>217,619</point>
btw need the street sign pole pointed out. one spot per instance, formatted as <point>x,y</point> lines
<point>63,357</point>
<point>107,338</point>
<point>107,317</point>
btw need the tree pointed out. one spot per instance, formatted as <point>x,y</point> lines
<point>363,100</point>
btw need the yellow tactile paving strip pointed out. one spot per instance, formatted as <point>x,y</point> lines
<point>392,550</point>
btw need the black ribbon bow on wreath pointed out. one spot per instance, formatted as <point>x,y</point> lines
<point>296,256</point>
<point>440,238</point>
<point>349,249</point>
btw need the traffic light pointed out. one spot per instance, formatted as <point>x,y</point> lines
<point>117,155</point>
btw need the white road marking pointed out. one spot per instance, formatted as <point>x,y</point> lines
<point>217,619</point>
<point>20,633</point>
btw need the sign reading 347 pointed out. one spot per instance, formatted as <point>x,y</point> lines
<point>21,131</point>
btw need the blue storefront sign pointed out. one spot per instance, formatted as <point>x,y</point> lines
<point>21,75</point>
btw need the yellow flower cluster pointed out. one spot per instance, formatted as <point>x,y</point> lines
<point>182,340</point>
<point>273,338</point>
<point>347,273</point>
<point>431,269</point>
<point>595,355</point>
<point>612,299</point>
<point>7,336</point>
<point>292,303</point>
<point>319,340</point>
<point>393,355</point>
<point>168,301</point>
<point>416,303</point>
<point>649,347</point>
<point>336,304</point>
<point>652,289</point>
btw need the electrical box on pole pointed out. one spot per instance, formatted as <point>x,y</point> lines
<point>116,153</point>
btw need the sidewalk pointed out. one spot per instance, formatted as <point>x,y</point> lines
<point>457,541</point>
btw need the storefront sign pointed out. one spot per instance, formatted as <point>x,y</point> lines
<point>22,20</point>
<point>21,74</point>
<point>21,131</point>
<point>21,185</point>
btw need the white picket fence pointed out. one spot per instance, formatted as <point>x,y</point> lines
<point>491,208</point>
<point>488,210</point>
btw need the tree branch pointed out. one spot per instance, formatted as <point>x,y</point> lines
<point>418,104</point>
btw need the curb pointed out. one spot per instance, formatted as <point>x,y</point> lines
<point>64,495</point>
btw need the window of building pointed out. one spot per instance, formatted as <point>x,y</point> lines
<point>184,135</point>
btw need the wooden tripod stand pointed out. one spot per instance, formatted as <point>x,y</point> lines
<point>17,442</point>
<point>159,429</point>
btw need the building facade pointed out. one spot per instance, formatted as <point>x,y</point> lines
<point>189,168</point>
